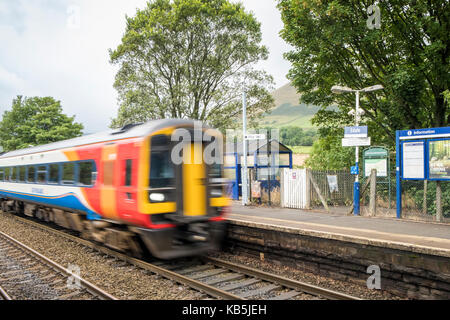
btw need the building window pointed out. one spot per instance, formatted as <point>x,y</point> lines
<point>31,174</point>
<point>85,173</point>
<point>53,173</point>
<point>41,174</point>
<point>2,174</point>
<point>68,174</point>
<point>128,171</point>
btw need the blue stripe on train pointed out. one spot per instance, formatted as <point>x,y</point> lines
<point>69,201</point>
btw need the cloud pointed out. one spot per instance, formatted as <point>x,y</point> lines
<point>59,48</point>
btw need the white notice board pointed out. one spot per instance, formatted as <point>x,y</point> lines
<point>413,160</point>
<point>379,164</point>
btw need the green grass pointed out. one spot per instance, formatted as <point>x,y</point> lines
<point>289,115</point>
<point>301,149</point>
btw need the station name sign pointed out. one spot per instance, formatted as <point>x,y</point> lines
<point>355,132</point>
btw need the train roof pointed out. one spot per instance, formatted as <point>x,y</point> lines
<point>128,131</point>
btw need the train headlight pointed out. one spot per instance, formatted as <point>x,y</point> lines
<point>157,197</point>
<point>216,193</point>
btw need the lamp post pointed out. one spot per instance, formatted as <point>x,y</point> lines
<point>358,112</point>
<point>244,187</point>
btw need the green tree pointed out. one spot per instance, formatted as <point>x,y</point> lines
<point>188,59</point>
<point>328,154</point>
<point>295,136</point>
<point>408,55</point>
<point>35,121</point>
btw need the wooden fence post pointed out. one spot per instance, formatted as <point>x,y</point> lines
<point>319,193</point>
<point>424,206</point>
<point>373,192</point>
<point>438,201</point>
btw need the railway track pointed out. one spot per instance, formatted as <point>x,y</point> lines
<point>214,277</point>
<point>4,295</point>
<point>27,274</point>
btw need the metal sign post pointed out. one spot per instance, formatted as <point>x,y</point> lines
<point>356,137</point>
<point>244,165</point>
<point>357,112</point>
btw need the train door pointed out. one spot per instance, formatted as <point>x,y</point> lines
<point>194,181</point>
<point>108,201</point>
<point>127,161</point>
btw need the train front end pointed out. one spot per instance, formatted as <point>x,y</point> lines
<point>183,191</point>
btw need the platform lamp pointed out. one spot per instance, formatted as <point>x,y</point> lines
<point>357,112</point>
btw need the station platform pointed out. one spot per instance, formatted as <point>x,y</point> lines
<point>420,237</point>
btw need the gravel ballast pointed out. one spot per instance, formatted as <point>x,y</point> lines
<point>126,281</point>
<point>118,278</point>
<point>317,280</point>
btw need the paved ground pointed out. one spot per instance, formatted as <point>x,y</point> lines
<point>432,235</point>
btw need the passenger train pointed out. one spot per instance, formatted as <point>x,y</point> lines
<point>121,188</point>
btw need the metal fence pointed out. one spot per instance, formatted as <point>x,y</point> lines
<point>335,194</point>
<point>336,187</point>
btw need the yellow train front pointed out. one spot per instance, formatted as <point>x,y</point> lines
<point>185,196</point>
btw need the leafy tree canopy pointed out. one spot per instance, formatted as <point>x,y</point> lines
<point>295,136</point>
<point>188,59</point>
<point>408,55</point>
<point>328,154</point>
<point>35,121</point>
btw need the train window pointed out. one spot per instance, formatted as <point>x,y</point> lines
<point>22,172</point>
<point>128,171</point>
<point>68,173</point>
<point>161,169</point>
<point>215,170</point>
<point>53,173</point>
<point>13,174</point>
<point>108,173</point>
<point>7,173</point>
<point>85,173</point>
<point>41,174</point>
<point>31,174</point>
<point>2,174</point>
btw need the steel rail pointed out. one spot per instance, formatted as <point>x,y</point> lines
<point>4,295</point>
<point>198,285</point>
<point>90,287</point>
<point>289,283</point>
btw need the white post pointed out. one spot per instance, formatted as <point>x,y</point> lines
<point>244,149</point>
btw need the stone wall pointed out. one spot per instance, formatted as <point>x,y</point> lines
<point>417,273</point>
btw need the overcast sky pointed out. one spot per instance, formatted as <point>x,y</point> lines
<point>59,48</point>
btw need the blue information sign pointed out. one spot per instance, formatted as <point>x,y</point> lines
<point>355,132</point>
<point>422,154</point>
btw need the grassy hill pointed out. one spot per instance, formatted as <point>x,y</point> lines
<point>288,111</point>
